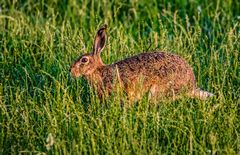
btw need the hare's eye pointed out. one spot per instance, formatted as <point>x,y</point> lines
<point>84,60</point>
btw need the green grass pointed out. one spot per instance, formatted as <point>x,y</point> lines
<point>40,39</point>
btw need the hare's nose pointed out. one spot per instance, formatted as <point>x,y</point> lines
<point>71,67</point>
<point>71,71</point>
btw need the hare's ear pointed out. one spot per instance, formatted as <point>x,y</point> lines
<point>100,40</point>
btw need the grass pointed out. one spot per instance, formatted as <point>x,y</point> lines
<point>39,100</point>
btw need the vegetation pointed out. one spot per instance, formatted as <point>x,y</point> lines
<point>43,110</point>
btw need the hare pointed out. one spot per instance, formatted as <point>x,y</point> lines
<point>158,73</point>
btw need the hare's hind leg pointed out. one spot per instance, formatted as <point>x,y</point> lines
<point>153,93</point>
<point>156,93</point>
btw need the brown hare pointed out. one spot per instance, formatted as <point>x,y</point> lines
<point>158,73</point>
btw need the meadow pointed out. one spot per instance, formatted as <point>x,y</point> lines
<point>43,110</point>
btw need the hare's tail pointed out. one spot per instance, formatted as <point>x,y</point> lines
<point>201,94</point>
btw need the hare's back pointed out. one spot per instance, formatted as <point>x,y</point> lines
<point>157,63</point>
<point>157,67</point>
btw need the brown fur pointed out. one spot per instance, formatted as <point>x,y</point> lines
<point>159,73</point>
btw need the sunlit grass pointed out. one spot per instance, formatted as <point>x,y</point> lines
<point>44,110</point>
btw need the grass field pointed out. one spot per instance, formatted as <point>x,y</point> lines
<point>43,110</point>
